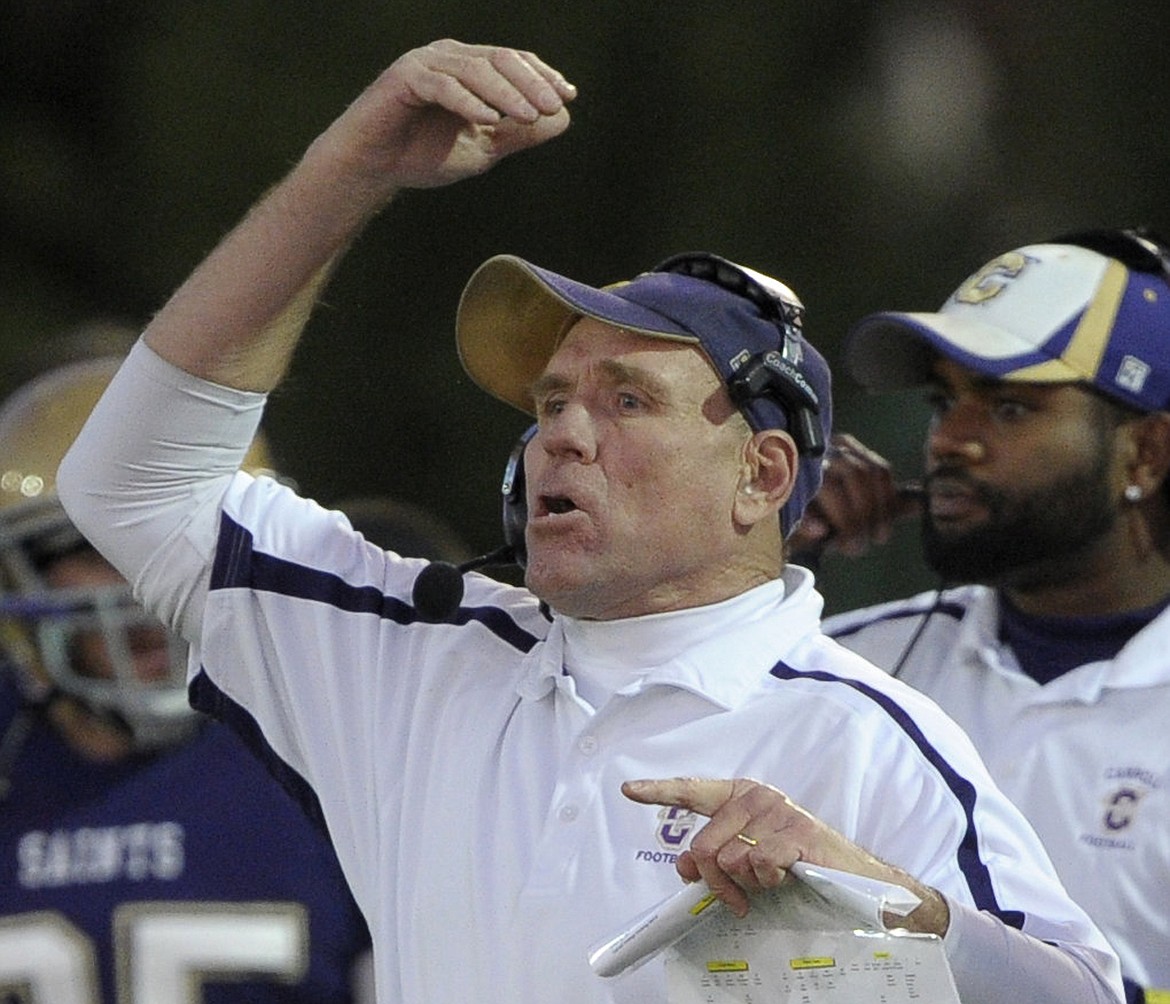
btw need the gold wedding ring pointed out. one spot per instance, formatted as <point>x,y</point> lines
<point>746,839</point>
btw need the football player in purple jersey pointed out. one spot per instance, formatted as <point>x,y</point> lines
<point>143,854</point>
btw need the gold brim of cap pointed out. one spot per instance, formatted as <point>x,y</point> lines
<point>512,316</point>
<point>507,327</point>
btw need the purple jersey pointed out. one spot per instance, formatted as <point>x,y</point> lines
<point>140,880</point>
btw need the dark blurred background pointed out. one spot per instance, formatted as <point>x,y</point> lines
<point>870,153</point>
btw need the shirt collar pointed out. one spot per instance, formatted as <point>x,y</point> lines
<point>718,651</point>
<point>1142,662</point>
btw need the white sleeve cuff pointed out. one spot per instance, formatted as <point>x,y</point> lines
<point>996,964</point>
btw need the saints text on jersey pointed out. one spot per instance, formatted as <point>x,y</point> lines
<point>136,852</point>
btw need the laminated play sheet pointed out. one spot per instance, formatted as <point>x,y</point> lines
<point>816,941</point>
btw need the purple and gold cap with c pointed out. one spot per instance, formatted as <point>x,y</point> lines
<point>1043,313</point>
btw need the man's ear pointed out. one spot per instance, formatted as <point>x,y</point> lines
<point>1149,465</point>
<point>768,476</point>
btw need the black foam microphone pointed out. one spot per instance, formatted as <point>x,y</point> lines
<point>438,589</point>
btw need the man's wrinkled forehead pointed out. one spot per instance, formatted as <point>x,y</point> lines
<point>613,372</point>
<point>666,371</point>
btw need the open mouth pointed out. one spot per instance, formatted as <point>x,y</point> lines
<point>556,505</point>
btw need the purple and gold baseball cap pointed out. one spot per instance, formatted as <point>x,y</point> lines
<point>513,314</point>
<point>1046,313</point>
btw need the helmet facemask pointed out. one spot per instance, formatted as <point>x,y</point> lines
<point>93,644</point>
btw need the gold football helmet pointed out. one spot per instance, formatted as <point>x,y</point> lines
<point>46,631</point>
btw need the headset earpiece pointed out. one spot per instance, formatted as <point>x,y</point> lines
<point>512,489</point>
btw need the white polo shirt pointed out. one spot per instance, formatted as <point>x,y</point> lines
<point>1086,756</point>
<point>472,794</point>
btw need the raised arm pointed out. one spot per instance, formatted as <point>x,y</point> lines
<point>438,114</point>
<point>146,477</point>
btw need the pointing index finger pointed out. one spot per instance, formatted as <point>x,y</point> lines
<point>703,795</point>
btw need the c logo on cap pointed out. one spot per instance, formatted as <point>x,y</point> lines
<point>991,280</point>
